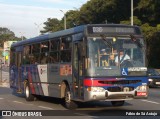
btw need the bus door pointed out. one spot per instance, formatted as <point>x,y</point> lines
<point>18,65</point>
<point>77,70</point>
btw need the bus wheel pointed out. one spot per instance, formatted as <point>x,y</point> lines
<point>69,104</point>
<point>28,95</point>
<point>117,103</point>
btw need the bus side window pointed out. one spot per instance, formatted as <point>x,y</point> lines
<point>13,56</point>
<point>54,45</point>
<point>54,57</point>
<point>65,49</point>
<point>66,43</point>
<point>26,53</point>
<point>35,53</point>
<point>32,59</point>
<point>62,47</point>
<point>44,52</point>
<point>54,50</point>
<point>66,56</point>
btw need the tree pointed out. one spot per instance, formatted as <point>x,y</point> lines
<point>150,33</point>
<point>148,11</point>
<point>97,11</point>
<point>6,35</point>
<point>153,51</point>
<point>136,21</point>
<point>72,18</point>
<point>51,25</point>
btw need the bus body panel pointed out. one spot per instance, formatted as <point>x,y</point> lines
<point>43,79</point>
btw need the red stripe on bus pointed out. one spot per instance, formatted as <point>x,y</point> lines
<point>90,82</point>
<point>30,80</point>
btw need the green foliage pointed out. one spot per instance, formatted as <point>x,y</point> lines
<point>148,30</point>
<point>6,35</point>
<point>158,27</point>
<point>153,50</point>
<point>72,18</point>
<point>52,24</point>
<point>136,21</point>
<point>98,11</point>
<point>148,11</point>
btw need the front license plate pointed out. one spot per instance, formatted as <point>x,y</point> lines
<point>141,93</point>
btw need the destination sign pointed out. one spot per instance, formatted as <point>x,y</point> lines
<point>114,29</point>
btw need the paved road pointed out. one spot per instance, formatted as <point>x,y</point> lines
<point>11,101</point>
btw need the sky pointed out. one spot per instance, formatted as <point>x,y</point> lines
<point>26,17</point>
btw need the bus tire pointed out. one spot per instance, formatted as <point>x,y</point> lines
<point>117,103</point>
<point>69,104</point>
<point>28,95</point>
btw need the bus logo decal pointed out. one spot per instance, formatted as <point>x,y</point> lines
<point>124,71</point>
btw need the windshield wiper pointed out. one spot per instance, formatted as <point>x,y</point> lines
<point>105,41</point>
<point>134,39</point>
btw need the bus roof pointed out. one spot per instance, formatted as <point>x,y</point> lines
<point>62,33</point>
<point>50,35</point>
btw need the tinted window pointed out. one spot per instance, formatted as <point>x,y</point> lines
<point>45,46</point>
<point>36,48</point>
<point>65,49</point>
<point>54,45</point>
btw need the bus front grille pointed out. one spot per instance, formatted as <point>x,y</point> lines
<point>119,89</point>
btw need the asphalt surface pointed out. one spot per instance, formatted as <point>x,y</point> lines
<point>52,107</point>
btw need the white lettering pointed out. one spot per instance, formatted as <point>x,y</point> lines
<point>137,69</point>
<point>34,114</point>
<point>130,113</point>
<point>151,113</point>
<point>97,29</point>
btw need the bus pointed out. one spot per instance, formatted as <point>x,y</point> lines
<point>82,64</point>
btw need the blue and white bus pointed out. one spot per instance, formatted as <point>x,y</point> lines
<point>82,64</point>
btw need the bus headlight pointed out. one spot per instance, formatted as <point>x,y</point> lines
<point>96,89</point>
<point>142,88</point>
<point>150,80</point>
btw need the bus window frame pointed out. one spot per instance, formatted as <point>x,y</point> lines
<point>63,49</point>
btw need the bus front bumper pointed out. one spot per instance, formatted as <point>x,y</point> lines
<point>114,96</point>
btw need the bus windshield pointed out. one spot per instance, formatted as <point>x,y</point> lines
<point>107,56</point>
